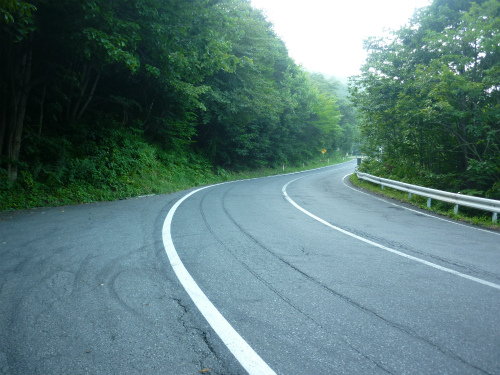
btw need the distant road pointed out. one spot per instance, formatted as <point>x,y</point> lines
<point>314,276</point>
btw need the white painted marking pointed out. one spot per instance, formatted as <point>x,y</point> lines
<point>242,351</point>
<point>247,357</point>
<point>480,281</point>
<point>419,212</point>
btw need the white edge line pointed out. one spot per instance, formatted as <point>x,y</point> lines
<point>245,355</point>
<point>419,212</point>
<point>241,350</point>
<point>487,283</point>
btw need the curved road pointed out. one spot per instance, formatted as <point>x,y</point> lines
<point>313,275</point>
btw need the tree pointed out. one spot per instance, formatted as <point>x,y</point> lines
<point>78,77</point>
<point>144,58</point>
<point>345,134</point>
<point>16,59</point>
<point>430,94</point>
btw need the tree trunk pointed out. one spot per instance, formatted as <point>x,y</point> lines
<point>20,95</point>
<point>16,140</point>
<point>421,144</point>
<point>3,126</point>
<point>42,102</point>
<point>463,143</point>
<point>84,99</point>
<point>89,97</point>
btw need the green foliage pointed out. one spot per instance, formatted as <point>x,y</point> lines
<point>101,95</point>
<point>16,18</point>
<point>267,111</point>
<point>117,163</point>
<point>119,166</point>
<point>428,98</point>
<point>345,129</point>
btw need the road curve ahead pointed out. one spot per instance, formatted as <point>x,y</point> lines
<point>318,278</point>
<point>297,274</point>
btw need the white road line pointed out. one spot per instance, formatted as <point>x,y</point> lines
<point>247,357</point>
<point>480,281</point>
<point>419,212</point>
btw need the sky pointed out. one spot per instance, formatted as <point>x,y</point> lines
<point>326,36</point>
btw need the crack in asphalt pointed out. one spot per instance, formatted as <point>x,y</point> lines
<point>203,335</point>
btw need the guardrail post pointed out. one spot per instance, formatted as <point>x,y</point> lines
<point>484,204</point>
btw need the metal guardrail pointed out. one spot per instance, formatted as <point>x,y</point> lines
<point>490,205</point>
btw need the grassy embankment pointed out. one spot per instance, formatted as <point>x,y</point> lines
<point>467,215</point>
<point>148,172</point>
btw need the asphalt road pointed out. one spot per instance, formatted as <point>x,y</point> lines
<point>356,286</point>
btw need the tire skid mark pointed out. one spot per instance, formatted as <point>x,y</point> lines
<point>404,329</point>
<point>246,266</point>
<point>112,289</point>
<point>269,285</point>
<point>241,350</point>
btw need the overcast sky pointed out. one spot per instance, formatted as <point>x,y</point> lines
<point>327,36</point>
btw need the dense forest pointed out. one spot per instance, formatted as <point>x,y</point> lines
<point>428,99</point>
<point>98,96</point>
<point>96,93</point>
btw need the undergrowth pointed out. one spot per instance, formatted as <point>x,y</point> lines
<point>118,166</point>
